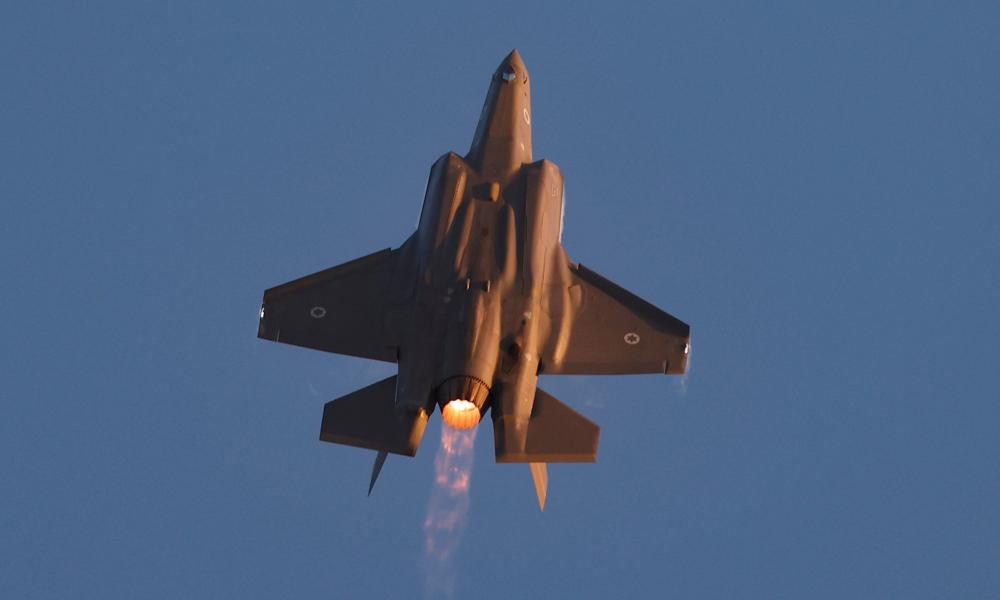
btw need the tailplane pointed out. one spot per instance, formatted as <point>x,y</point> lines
<point>367,418</point>
<point>554,433</point>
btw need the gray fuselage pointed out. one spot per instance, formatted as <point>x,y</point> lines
<point>487,270</point>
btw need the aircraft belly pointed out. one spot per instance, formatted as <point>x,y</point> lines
<point>474,305</point>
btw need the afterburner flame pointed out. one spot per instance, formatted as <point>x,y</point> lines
<point>446,510</point>
<point>460,414</point>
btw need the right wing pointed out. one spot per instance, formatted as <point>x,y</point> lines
<point>341,309</point>
<point>615,332</point>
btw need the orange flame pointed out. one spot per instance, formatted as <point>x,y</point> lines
<point>460,414</point>
<point>447,508</point>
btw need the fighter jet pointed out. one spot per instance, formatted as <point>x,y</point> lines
<point>478,302</point>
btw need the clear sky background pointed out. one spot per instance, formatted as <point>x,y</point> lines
<point>814,189</point>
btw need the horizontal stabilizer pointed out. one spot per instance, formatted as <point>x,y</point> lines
<point>368,418</point>
<point>555,433</point>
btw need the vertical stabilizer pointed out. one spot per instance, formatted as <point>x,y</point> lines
<point>540,474</point>
<point>377,468</point>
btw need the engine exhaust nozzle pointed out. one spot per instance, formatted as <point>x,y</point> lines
<point>463,401</point>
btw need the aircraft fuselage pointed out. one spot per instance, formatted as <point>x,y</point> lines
<point>489,266</point>
<point>474,305</point>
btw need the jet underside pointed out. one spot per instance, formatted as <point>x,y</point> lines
<point>474,305</point>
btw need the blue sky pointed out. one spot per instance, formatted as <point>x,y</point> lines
<point>814,189</point>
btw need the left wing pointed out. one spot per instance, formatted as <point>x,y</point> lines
<point>341,309</point>
<point>615,332</point>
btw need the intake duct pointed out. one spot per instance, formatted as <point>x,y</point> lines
<point>463,401</point>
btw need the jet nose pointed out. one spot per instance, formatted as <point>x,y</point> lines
<point>512,67</point>
<point>514,60</point>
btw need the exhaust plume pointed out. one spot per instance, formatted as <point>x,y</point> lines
<point>446,510</point>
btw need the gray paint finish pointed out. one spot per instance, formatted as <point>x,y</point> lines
<point>476,303</point>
